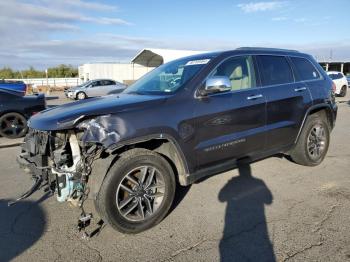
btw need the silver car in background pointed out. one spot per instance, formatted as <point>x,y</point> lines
<point>96,87</point>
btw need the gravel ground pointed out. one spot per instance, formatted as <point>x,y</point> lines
<point>270,210</point>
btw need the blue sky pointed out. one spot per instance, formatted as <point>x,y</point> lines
<point>43,33</point>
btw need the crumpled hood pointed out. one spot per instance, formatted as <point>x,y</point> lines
<point>67,115</point>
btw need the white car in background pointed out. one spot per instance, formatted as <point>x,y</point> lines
<point>340,81</point>
<point>93,88</point>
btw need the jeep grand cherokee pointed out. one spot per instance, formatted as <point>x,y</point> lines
<point>189,118</point>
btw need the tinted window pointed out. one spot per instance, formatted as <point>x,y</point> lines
<point>335,76</point>
<point>304,69</point>
<point>274,70</point>
<point>96,83</point>
<point>104,82</point>
<point>109,82</point>
<point>240,71</point>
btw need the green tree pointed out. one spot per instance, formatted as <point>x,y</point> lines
<point>6,73</point>
<point>63,71</point>
<point>56,72</point>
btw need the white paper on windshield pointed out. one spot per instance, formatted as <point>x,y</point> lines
<point>198,62</point>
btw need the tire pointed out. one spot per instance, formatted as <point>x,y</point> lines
<point>302,152</point>
<point>81,96</point>
<point>13,125</point>
<point>343,91</point>
<point>113,201</point>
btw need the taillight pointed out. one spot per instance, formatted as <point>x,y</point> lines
<point>334,88</point>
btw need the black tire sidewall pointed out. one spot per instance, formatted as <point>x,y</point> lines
<point>113,179</point>
<point>24,130</point>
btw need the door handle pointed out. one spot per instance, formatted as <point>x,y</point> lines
<point>300,89</point>
<point>254,97</point>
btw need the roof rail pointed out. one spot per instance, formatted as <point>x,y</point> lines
<point>266,49</point>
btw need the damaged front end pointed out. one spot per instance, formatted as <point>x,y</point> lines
<point>61,161</point>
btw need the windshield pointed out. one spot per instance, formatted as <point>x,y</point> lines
<point>85,84</point>
<point>170,77</point>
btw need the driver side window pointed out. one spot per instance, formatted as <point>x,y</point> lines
<point>240,71</point>
<point>95,84</point>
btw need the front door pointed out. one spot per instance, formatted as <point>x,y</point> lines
<point>94,89</point>
<point>231,125</point>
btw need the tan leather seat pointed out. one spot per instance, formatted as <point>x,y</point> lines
<point>238,80</point>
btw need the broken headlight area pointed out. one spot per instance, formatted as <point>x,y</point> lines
<point>61,161</point>
<point>102,130</point>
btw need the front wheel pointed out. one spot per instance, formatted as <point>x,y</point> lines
<point>137,192</point>
<point>313,142</point>
<point>81,96</point>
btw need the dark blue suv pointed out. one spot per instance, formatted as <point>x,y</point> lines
<point>187,119</point>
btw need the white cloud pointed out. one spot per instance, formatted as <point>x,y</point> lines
<point>105,20</point>
<point>261,6</point>
<point>54,12</point>
<point>83,4</point>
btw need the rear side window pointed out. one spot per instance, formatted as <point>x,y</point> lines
<point>305,69</point>
<point>108,82</point>
<point>335,76</point>
<point>274,70</point>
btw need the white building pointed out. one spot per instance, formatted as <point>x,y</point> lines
<point>146,60</point>
<point>119,72</point>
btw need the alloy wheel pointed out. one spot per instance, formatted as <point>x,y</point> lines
<point>316,142</point>
<point>13,125</point>
<point>140,193</point>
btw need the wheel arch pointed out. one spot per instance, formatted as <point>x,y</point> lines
<point>165,145</point>
<point>318,109</point>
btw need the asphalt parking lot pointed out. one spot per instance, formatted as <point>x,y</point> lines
<point>270,210</point>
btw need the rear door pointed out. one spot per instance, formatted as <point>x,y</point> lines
<point>287,100</point>
<point>231,125</point>
<point>111,87</point>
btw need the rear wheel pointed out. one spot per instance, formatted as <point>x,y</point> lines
<point>137,192</point>
<point>13,125</point>
<point>343,91</point>
<point>312,145</point>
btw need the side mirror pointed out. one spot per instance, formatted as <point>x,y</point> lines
<point>216,84</point>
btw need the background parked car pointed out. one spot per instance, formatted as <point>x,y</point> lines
<point>340,81</point>
<point>97,87</point>
<point>348,78</point>
<point>17,86</point>
<point>15,109</point>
